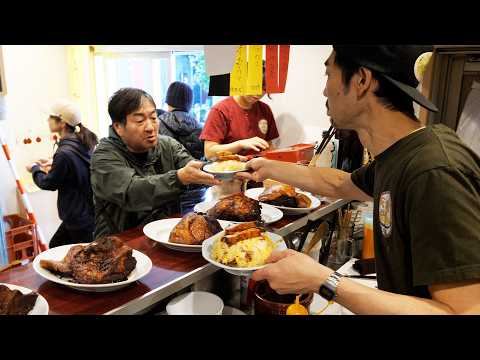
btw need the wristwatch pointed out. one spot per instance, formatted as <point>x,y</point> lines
<point>328,290</point>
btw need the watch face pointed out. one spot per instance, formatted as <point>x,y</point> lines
<point>326,293</point>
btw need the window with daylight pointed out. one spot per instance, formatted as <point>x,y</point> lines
<point>152,72</point>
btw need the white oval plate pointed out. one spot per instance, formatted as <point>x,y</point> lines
<point>160,231</point>
<point>143,267</point>
<point>269,213</point>
<point>254,193</point>
<point>41,305</point>
<point>207,247</point>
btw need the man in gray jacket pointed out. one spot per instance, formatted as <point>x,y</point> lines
<point>137,174</point>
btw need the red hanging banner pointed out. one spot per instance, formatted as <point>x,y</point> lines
<point>271,68</point>
<point>283,67</point>
<point>276,67</point>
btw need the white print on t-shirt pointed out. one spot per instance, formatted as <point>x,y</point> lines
<point>263,126</point>
<point>385,213</point>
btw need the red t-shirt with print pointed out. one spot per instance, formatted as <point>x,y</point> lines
<point>228,122</point>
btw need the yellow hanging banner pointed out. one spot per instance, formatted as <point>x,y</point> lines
<point>254,78</point>
<point>238,76</point>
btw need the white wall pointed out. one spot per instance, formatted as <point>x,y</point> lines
<point>36,76</point>
<point>300,112</point>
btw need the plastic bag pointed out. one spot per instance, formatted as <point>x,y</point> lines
<point>469,124</point>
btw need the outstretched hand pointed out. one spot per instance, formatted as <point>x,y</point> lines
<point>192,174</point>
<point>260,170</point>
<point>291,272</point>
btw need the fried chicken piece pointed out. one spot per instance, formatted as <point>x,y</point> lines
<point>241,235</point>
<point>193,229</point>
<point>103,261</point>
<point>236,207</point>
<point>13,302</point>
<point>303,201</point>
<point>239,227</point>
<point>227,155</point>
<point>62,267</point>
<point>279,194</point>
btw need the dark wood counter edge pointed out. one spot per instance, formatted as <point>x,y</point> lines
<point>146,301</point>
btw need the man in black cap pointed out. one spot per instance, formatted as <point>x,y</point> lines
<point>425,184</point>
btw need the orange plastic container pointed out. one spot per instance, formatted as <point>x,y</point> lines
<point>21,237</point>
<point>298,153</point>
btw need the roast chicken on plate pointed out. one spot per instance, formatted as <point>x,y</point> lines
<point>236,207</point>
<point>194,228</point>
<point>103,261</point>
<point>13,302</point>
<point>279,194</point>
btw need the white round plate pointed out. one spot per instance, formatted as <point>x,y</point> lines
<point>143,267</point>
<point>254,193</point>
<point>269,213</point>
<point>207,247</point>
<point>41,305</point>
<point>160,231</point>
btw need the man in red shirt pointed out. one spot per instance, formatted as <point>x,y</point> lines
<point>239,124</point>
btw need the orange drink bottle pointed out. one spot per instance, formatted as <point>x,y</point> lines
<point>368,251</point>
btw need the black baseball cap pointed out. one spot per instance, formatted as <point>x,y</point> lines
<point>395,63</point>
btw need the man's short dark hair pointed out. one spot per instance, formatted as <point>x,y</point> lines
<point>389,95</point>
<point>125,101</point>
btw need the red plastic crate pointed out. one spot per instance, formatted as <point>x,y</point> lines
<point>21,237</point>
<point>298,153</point>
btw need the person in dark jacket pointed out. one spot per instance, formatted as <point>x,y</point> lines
<point>69,173</point>
<point>179,124</point>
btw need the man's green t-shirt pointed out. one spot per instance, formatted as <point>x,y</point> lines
<point>426,191</point>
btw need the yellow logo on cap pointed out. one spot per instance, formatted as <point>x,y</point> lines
<point>421,65</point>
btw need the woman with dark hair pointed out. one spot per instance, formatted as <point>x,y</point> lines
<point>69,173</point>
<point>179,124</point>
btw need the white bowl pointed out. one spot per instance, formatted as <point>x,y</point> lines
<point>195,303</point>
<point>207,247</point>
<point>222,175</point>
